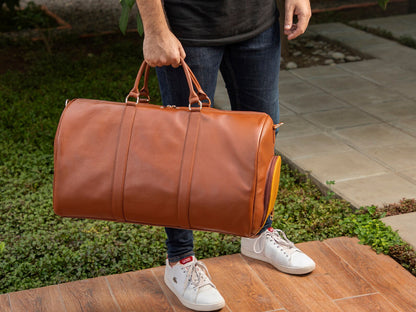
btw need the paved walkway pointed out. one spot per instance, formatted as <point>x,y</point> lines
<point>355,123</point>
<point>399,27</point>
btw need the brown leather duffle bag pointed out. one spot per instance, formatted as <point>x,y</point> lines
<point>191,167</point>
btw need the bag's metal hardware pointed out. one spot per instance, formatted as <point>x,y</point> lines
<point>138,99</point>
<point>127,99</point>
<point>66,102</point>
<point>200,105</point>
<point>147,99</point>
<point>277,125</point>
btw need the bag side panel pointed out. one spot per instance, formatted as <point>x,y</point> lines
<point>85,146</point>
<point>264,157</point>
<point>154,166</point>
<point>224,176</point>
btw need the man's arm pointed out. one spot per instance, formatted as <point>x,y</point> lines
<point>160,46</point>
<point>300,8</point>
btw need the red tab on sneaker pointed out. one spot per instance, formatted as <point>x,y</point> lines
<point>186,260</point>
<point>270,229</point>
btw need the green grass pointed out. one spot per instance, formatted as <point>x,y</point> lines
<point>38,248</point>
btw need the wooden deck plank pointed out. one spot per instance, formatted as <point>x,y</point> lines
<point>348,277</point>
<point>38,299</point>
<point>368,303</point>
<point>88,295</point>
<point>5,303</point>
<point>387,276</point>
<point>175,303</point>
<point>333,275</point>
<point>138,291</point>
<point>296,293</point>
<point>241,288</point>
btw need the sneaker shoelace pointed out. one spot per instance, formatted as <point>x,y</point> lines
<point>278,237</point>
<point>198,275</point>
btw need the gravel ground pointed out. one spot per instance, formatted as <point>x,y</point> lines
<point>308,51</point>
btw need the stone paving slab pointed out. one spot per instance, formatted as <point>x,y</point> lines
<point>405,225</point>
<point>398,26</point>
<point>378,190</point>
<point>378,47</point>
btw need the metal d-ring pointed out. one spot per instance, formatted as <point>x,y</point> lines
<point>138,99</point>
<point>200,105</point>
<point>127,99</point>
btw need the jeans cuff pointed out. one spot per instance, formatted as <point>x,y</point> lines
<point>179,258</point>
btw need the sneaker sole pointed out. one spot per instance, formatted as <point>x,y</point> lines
<point>193,306</point>
<point>284,269</point>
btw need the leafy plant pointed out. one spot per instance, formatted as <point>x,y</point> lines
<point>12,5</point>
<point>383,3</point>
<point>367,226</point>
<point>405,255</point>
<point>126,7</point>
<point>31,17</point>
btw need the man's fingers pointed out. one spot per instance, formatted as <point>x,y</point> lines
<point>182,55</point>
<point>289,10</point>
<point>163,50</point>
<point>300,8</point>
<point>295,31</point>
<point>182,52</point>
<point>299,28</point>
<point>303,21</point>
<point>176,64</point>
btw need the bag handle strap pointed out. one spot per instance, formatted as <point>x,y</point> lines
<point>142,96</point>
<point>203,97</point>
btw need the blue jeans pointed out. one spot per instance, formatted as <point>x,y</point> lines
<point>251,73</point>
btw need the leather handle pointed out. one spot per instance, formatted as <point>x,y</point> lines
<point>143,95</point>
<point>144,91</point>
<point>202,96</point>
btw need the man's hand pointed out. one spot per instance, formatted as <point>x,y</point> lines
<point>162,49</point>
<point>300,8</point>
<point>160,46</point>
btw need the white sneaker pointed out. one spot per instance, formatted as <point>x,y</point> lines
<point>273,247</point>
<point>189,280</point>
